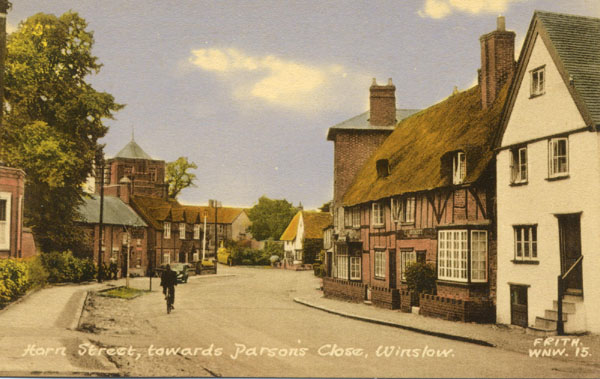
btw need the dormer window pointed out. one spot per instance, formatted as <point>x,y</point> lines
<point>383,168</point>
<point>459,167</point>
<point>538,81</point>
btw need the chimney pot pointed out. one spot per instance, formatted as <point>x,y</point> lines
<point>501,24</point>
<point>390,82</point>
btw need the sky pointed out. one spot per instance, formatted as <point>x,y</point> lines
<point>248,89</point>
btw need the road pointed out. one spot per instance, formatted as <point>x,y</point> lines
<point>246,324</point>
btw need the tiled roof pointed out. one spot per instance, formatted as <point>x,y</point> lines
<point>361,122</point>
<point>157,210</point>
<point>314,223</point>
<point>115,212</point>
<point>132,151</point>
<point>577,42</point>
<point>421,143</point>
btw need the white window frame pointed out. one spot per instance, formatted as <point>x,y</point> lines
<point>341,262</point>
<point>356,217</point>
<point>453,254</point>
<point>347,217</point>
<point>479,256</point>
<point>554,158</point>
<point>378,214</point>
<point>196,231</point>
<point>519,165</point>
<point>403,209</point>
<point>182,230</point>
<point>538,81</point>
<point>327,239</point>
<point>355,268</point>
<point>406,256</point>
<point>379,264</point>
<point>459,167</point>
<point>166,230</point>
<point>525,242</point>
<point>5,224</point>
<point>166,258</point>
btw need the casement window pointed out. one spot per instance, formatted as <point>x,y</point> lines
<point>196,256</point>
<point>403,209</point>
<point>327,239</point>
<point>558,163</point>
<point>352,217</point>
<point>182,230</point>
<point>525,242</point>
<point>298,255</point>
<point>479,255</point>
<point>355,269</point>
<point>166,259</point>
<point>454,255</point>
<point>5,220</point>
<point>166,230</point>
<point>341,262</point>
<point>125,239</point>
<point>519,165</point>
<point>538,81</point>
<point>459,167</point>
<point>196,231</point>
<point>407,257</point>
<point>378,219</point>
<point>379,264</point>
<point>152,172</point>
<point>347,217</point>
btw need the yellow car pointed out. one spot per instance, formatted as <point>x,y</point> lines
<point>224,256</point>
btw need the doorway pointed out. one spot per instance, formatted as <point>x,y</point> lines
<point>518,305</point>
<point>569,229</point>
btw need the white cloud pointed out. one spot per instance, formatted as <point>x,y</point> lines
<point>275,80</point>
<point>442,8</point>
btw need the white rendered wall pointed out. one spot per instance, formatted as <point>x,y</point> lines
<point>539,200</point>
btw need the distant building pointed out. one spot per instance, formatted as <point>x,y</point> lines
<point>306,227</point>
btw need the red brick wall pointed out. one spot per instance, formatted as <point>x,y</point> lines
<point>385,297</point>
<point>382,104</point>
<point>343,289</point>
<point>405,301</point>
<point>351,151</point>
<point>12,181</point>
<point>456,310</point>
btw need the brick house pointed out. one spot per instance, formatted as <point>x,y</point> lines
<point>354,141</point>
<point>12,189</point>
<point>304,231</point>
<point>427,194</point>
<point>548,171</point>
<point>177,231</point>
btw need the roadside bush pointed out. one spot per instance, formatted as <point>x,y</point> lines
<point>37,273</point>
<point>319,270</point>
<point>274,248</point>
<point>13,279</point>
<point>420,277</point>
<point>64,267</point>
<point>250,257</point>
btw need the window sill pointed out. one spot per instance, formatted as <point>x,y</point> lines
<point>379,278</point>
<point>523,262</point>
<point>554,178</point>
<point>379,226</point>
<point>461,283</point>
<point>534,95</point>
<point>518,184</point>
<point>407,223</point>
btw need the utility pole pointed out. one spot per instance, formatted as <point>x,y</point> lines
<point>100,161</point>
<point>204,237</point>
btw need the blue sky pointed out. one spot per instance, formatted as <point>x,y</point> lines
<point>248,89</point>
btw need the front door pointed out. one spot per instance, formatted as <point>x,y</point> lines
<point>569,228</point>
<point>393,269</point>
<point>518,305</point>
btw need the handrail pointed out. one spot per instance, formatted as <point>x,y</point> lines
<point>560,325</point>
<point>572,267</point>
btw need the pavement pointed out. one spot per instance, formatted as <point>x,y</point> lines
<point>506,337</point>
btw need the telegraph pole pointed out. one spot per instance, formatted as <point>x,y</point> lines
<point>100,162</point>
<point>4,7</point>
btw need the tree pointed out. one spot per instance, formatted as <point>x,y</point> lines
<point>53,120</point>
<point>178,176</point>
<point>326,207</point>
<point>270,218</point>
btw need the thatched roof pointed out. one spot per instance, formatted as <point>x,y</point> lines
<point>418,147</point>
<point>314,223</point>
<point>157,210</point>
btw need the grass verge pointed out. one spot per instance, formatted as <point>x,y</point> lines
<point>122,293</point>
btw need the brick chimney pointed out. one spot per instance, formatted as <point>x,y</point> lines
<point>383,104</point>
<point>497,61</point>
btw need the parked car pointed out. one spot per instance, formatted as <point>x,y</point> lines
<point>224,256</point>
<point>182,271</point>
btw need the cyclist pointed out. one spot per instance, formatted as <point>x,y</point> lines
<point>168,281</point>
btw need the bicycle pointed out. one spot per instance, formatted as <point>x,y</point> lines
<point>170,299</point>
